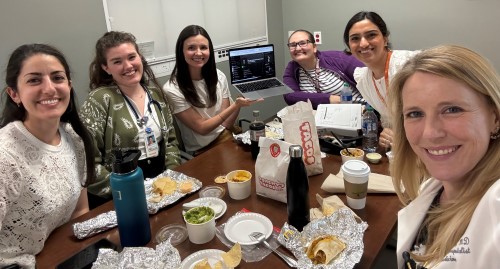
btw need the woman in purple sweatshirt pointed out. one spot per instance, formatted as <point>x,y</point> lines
<point>318,76</point>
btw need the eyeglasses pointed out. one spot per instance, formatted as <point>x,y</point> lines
<point>301,44</point>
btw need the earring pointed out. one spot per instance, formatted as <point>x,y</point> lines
<point>18,104</point>
<point>496,134</point>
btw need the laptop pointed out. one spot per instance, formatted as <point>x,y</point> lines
<point>253,72</point>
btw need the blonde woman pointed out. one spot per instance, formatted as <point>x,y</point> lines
<point>445,105</point>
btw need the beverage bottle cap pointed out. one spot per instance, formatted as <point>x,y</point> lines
<point>256,113</point>
<point>125,162</point>
<point>295,151</point>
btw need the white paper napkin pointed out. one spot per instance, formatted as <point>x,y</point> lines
<point>377,183</point>
<point>333,202</point>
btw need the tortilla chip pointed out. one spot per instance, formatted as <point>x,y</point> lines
<point>232,258</point>
<point>220,179</point>
<point>164,186</point>
<point>186,186</point>
<point>203,264</point>
<point>218,265</point>
<point>155,198</point>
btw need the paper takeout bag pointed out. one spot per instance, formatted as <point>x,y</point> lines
<point>377,183</point>
<point>299,128</point>
<point>271,168</point>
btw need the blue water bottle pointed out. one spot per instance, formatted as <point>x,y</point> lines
<point>129,198</point>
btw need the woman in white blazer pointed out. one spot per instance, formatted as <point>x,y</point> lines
<point>445,103</point>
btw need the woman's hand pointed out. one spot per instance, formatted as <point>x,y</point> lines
<point>385,139</point>
<point>334,99</point>
<point>242,101</point>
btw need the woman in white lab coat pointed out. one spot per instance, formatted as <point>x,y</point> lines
<point>445,103</point>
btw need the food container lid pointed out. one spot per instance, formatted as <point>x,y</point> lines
<point>212,191</point>
<point>177,231</point>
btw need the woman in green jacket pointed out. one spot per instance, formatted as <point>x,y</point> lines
<point>124,110</point>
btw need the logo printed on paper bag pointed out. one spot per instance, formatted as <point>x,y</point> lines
<point>269,184</point>
<point>307,143</point>
<point>275,150</point>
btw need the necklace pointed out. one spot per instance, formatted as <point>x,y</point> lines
<point>386,78</point>
<point>141,121</point>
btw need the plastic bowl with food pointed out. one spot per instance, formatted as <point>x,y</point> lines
<point>373,157</point>
<point>353,154</point>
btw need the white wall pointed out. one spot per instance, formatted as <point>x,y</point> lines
<point>413,24</point>
<point>74,27</point>
<point>71,26</point>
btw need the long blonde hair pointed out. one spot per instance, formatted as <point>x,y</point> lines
<point>446,223</point>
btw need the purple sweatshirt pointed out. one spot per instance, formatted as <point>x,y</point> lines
<point>336,61</point>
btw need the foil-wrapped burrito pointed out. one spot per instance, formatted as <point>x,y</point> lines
<point>100,223</point>
<point>165,256</point>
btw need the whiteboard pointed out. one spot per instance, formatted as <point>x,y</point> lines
<point>157,23</point>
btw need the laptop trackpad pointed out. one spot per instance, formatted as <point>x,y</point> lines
<point>253,95</point>
<point>274,91</point>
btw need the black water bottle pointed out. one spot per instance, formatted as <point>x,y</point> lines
<point>257,130</point>
<point>297,189</point>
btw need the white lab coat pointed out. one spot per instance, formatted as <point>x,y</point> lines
<point>478,248</point>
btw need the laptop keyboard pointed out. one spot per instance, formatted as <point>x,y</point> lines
<point>259,85</point>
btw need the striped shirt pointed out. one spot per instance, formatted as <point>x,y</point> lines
<point>329,82</point>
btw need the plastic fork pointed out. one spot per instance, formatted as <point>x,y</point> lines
<point>343,145</point>
<point>261,238</point>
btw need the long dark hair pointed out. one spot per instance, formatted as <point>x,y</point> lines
<point>98,77</point>
<point>13,112</point>
<point>181,75</point>
<point>362,15</point>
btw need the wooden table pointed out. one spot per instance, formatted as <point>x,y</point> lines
<point>380,212</point>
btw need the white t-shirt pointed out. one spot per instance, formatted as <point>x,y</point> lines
<point>194,141</point>
<point>40,185</point>
<point>364,82</point>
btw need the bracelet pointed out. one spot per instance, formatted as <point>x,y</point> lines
<point>221,117</point>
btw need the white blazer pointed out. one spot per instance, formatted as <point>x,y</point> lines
<point>478,248</point>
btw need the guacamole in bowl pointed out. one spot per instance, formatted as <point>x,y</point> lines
<point>199,215</point>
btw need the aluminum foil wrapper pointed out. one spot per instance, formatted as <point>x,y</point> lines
<point>166,200</point>
<point>341,224</point>
<point>271,132</point>
<point>100,223</point>
<point>164,257</point>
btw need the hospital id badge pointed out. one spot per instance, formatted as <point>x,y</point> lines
<point>151,144</point>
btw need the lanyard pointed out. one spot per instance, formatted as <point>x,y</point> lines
<point>143,120</point>
<point>314,81</point>
<point>386,78</point>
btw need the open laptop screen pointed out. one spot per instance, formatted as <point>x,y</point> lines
<point>253,63</point>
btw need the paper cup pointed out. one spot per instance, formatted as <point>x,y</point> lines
<point>203,232</point>
<point>239,190</point>
<point>356,175</point>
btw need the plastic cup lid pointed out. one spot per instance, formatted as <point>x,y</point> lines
<point>356,168</point>
<point>212,191</point>
<point>178,232</point>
